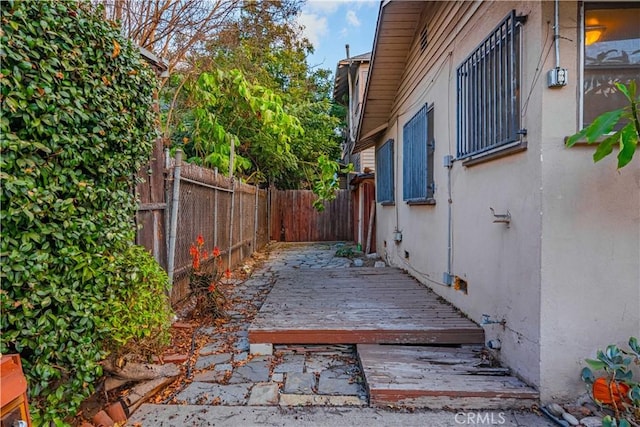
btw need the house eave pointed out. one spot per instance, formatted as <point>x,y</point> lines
<point>395,31</point>
<point>369,140</point>
<point>341,80</point>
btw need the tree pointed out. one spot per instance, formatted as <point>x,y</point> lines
<point>171,29</point>
<point>267,48</point>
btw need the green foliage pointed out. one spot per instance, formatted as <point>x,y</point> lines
<point>616,365</point>
<point>326,184</point>
<point>77,124</point>
<point>345,252</point>
<point>138,313</point>
<point>626,137</point>
<point>279,110</point>
<point>229,107</point>
<point>205,275</point>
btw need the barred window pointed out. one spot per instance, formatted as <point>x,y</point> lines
<point>417,158</point>
<point>488,83</point>
<point>384,173</point>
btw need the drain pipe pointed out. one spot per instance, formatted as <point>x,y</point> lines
<point>556,30</point>
<point>557,77</point>
<point>448,277</point>
<point>175,202</point>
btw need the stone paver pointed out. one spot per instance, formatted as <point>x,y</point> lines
<point>210,376</point>
<point>207,393</point>
<point>211,360</point>
<point>318,363</point>
<point>291,363</point>
<point>337,386</point>
<point>299,383</point>
<point>254,371</point>
<point>211,348</point>
<point>264,394</point>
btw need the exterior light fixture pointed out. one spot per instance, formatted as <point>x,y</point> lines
<point>592,33</point>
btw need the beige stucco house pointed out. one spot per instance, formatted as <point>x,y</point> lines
<point>348,90</point>
<point>467,106</point>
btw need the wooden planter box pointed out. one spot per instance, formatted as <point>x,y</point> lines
<point>13,392</point>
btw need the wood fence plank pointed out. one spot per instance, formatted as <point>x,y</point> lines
<point>294,219</point>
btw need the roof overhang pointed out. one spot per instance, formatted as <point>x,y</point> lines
<point>341,81</point>
<point>395,31</point>
<point>369,140</point>
<point>160,64</point>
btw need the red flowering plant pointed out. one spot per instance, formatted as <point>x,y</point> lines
<point>206,273</point>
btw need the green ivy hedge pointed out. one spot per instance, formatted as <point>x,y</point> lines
<point>77,124</point>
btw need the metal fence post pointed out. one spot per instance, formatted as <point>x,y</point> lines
<point>168,183</point>
<point>233,193</point>
<point>175,202</point>
<point>241,228</point>
<point>255,222</point>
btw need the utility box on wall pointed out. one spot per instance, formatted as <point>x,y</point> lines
<point>14,410</point>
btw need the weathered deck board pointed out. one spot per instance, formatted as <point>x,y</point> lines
<point>358,305</point>
<point>436,377</point>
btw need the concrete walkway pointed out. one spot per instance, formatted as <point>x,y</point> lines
<point>298,384</point>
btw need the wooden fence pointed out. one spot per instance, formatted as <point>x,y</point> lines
<point>294,219</point>
<point>152,217</point>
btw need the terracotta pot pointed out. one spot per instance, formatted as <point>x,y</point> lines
<point>117,413</point>
<point>607,391</point>
<point>101,419</point>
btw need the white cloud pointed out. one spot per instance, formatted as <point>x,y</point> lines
<point>352,18</point>
<point>314,27</point>
<point>322,6</point>
<point>327,7</point>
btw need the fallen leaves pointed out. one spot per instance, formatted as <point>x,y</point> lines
<point>116,49</point>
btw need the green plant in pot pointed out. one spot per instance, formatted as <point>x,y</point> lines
<point>612,386</point>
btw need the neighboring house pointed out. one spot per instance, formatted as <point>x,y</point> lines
<point>348,90</point>
<point>460,111</point>
<point>350,82</point>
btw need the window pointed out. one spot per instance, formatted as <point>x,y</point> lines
<point>611,54</point>
<point>488,92</point>
<point>417,157</point>
<point>384,173</point>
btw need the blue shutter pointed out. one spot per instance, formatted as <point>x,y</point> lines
<point>384,173</point>
<point>414,160</point>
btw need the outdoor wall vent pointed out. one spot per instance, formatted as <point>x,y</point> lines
<point>423,39</point>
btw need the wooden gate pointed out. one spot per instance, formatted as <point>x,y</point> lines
<point>294,219</point>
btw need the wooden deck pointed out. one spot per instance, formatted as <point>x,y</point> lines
<point>433,377</point>
<point>358,306</point>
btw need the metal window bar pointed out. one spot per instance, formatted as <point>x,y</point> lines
<point>488,83</point>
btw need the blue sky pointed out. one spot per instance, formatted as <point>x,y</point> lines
<point>329,25</point>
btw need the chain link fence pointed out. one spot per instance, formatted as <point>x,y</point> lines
<point>229,215</point>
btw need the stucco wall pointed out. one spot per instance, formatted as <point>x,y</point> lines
<point>565,276</point>
<point>590,279</point>
<point>501,265</point>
